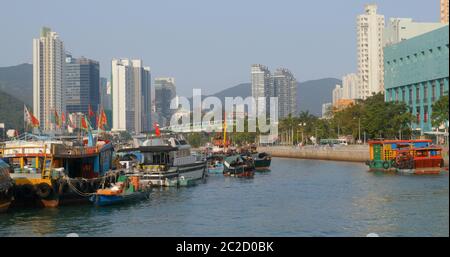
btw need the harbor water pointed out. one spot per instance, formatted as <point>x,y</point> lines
<point>296,198</point>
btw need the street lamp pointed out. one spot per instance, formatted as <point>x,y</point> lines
<point>303,124</point>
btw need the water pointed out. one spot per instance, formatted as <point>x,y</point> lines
<point>297,198</point>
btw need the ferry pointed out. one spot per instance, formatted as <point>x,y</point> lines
<point>169,162</point>
<point>6,187</point>
<point>405,156</point>
<point>52,172</point>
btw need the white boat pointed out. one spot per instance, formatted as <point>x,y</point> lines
<point>169,162</point>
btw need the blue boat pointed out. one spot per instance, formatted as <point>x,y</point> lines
<point>127,189</point>
<point>216,168</point>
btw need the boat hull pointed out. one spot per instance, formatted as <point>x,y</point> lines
<point>106,200</point>
<point>262,165</point>
<point>186,175</point>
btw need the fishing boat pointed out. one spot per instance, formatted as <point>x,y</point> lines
<point>236,166</point>
<point>215,164</point>
<point>262,161</point>
<point>405,156</point>
<point>6,187</point>
<point>50,172</point>
<point>168,161</point>
<point>126,189</point>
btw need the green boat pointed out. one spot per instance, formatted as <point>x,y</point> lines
<point>262,161</point>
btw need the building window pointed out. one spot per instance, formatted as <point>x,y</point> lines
<point>418,114</point>
<point>425,93</point>
<point>403,94</point>
<point>433,91</point>
<point>410,95</point>
<point>441,87</point>
<point>396,94</point>
<point>425,114</point>
<point>417,93</point>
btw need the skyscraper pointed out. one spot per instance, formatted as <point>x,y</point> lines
<point>165,91</point>
<point>82,84</point>
<point>370,26</point>
<point>48,66</point>
<point>262,83</point>
<point>285,88</point>
<point>105,94</point>
<point>444,11</point>
<point>350,86</point>
<point>131,95</point>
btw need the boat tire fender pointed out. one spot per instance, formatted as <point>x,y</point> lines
<point>43,190</point>
<point>386,165</point>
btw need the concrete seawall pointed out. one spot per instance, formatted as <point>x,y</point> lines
<point>353,153</point>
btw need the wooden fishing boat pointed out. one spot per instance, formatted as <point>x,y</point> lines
<point>262,161</point>
<point>127,189</point>
<point>52,172</point>
<point>236,166</point>
<point>6,187</point>
<point>405,156</point>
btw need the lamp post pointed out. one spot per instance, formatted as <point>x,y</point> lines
<point>303,124</point>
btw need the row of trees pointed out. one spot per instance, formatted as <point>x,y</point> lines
<point>370,118</point>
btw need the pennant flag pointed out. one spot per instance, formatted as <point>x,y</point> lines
<point>56,119</point>
<point>72,124</point>
<point>30,119</point>
<point>104,119</point>
<point>157,131</point>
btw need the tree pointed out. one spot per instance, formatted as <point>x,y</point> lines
<point>439,115</point>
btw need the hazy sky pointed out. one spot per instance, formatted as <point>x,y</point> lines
<point>202,43</point>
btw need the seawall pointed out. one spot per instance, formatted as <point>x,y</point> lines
<point>350,153</point>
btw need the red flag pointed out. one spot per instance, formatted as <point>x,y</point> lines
<point>157,131</point>
<point>63,118</point>
<point>103,119</point>
<point>84,123</point>
<point>91,113</point>
<point>30,118</point>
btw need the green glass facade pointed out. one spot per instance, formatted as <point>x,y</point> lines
<point>416,71</point>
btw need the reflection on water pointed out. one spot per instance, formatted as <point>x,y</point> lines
<point>297,198</point>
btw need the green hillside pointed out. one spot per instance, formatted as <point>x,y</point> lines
<point>11,111</point>
<point>17,81</point>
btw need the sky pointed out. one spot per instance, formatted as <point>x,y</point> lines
<point>205,44</point>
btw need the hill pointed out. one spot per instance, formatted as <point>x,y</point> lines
<point>17,81</point>
<point>11,111</point>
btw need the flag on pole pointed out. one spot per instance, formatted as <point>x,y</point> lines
<point>157,131</point>
<point>30,119</point>
<point>63,118</point>
<point>91,113</point>
<point>84,123</point>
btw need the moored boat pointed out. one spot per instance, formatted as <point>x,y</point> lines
<point>50,172</point>
<point>262,161</point>
<point>6,187</point>
<point>405,156</point>
<point>236,166</point>
<point>169,162</point>
<point>126,189</point>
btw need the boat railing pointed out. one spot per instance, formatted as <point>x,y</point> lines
<point>62,150</point>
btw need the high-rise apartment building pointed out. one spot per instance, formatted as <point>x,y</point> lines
<point>48,88</point>
<point>444,11</point>
<point>370,27</point>
<point>350,86</point>
<point>82,84</point>
<point>285,88</point>
<point>105,94</point>
<point>262,84</point>
<point>338,92</point>
<point>165,91</point>
<point>131,96</point>
<point>401,29</point>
